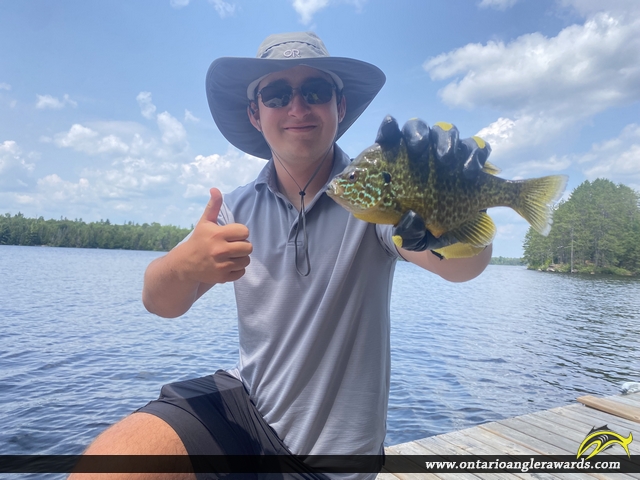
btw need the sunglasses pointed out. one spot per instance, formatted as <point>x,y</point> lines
<point>316,91</point>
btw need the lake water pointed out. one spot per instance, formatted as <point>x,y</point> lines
<point>78,351</point>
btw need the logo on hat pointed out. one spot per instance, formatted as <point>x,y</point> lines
<point>292,53</point>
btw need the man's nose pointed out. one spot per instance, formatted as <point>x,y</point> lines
<point>298,104</point>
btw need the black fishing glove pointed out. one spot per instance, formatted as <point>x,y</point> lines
<point>471,153</point>
<point>411,234</point>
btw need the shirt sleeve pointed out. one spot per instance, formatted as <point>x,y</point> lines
<point>225,216</point>
<point>385,234</point>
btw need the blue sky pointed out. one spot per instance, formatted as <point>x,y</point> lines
<point>103,112</point>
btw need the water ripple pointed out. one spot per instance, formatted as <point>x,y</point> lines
<point>78,351</point>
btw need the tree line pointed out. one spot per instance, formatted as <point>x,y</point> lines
<point>596,230</point>
<point>19,230</point>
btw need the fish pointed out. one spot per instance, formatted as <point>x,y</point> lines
<point>393,176</point>
<point>601,439</point>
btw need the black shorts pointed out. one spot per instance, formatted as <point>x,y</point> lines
<point>214,415</point>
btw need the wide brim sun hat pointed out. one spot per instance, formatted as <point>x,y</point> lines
<point>229,78</point>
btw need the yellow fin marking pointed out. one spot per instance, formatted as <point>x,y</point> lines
<point>480,142</point>
<point>459,250</point>
<point>444,126</point>
<point>490,168</point>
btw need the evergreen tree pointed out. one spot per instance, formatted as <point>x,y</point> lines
<point>19,230</point>
<point>597,229</point>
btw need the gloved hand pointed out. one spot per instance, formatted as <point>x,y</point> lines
<point>411,234</point>
<point>448,149</point>
<point>443,142</point>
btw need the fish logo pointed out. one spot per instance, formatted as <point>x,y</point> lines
<point>603,438</point>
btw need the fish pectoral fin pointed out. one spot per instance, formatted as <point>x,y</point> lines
<point>490,168</point>
<point>478,232</point>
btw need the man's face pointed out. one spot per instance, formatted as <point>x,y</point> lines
<point>298,132</point>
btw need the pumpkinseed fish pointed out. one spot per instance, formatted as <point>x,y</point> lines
<point>392,177</point>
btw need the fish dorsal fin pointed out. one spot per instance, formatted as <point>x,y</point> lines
<point>478,232</point>
<point>490,168</point>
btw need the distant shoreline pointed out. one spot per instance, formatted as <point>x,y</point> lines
<point>587,269</point>
<point>20,230</point>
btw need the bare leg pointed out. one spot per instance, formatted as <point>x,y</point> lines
<point>138,434</point>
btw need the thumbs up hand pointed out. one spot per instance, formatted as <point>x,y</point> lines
<point>216,253</point>
<point>212,254</point>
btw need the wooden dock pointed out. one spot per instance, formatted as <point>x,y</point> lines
<point>558,431</point>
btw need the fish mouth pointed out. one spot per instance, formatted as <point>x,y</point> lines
<point>334,190</point>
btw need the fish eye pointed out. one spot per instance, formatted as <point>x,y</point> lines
<point>386,177</point>
<point>353,176</point>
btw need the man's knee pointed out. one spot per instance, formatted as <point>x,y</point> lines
<point>138,434</point>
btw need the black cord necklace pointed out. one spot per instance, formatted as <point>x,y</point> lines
<point>302,219</point>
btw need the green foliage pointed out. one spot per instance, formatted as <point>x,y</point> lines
<point>19,230</point>
<point>596,230</point>
<point>506,261</point>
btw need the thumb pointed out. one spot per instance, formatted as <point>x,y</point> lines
<point>212,209</point>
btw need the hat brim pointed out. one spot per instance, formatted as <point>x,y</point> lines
<point>228,78</point>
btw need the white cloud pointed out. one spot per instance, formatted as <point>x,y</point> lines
<point>308,8</point>
<point>84,139</point>
<point>58,190</point>
<point>129,178</point>
<point>173,131</point>
<point>179,3</point>
<point>147,108</point>
<point>47,101</point>
<point>9,152</point>
<point>589,7</point>
<point>543,87</point>
<point>510,138</point>
<point>225,172</point>
<point>617,159</point>
<point>5,86</point>
<point>190,117</point>
<point>497,4</point>
<point>224,9</point>
<point>583,70</point>
<point>11,157</point>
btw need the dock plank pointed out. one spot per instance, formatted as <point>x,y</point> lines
<point>421,449</point>
<point>599,418</point>
<point>631,400</point>
<point>611,406</point>
<point>542,436</point>
<point>547,420</point>
<point>412,448</point>
<point>557,431</point>
<point>491,442</point>
<point>469,443</point>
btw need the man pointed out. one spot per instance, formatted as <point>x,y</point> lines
<point>312,282</point>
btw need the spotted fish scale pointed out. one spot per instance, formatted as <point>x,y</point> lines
<point>385,181</point>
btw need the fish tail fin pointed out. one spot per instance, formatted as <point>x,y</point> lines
<point>536,200</point>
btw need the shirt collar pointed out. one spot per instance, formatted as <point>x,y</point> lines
<point>267,175</point>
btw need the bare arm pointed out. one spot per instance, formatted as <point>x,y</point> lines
<point>212,254</point>
<point>454,269</point>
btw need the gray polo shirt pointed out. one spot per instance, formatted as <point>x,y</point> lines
<point>314,351</point>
